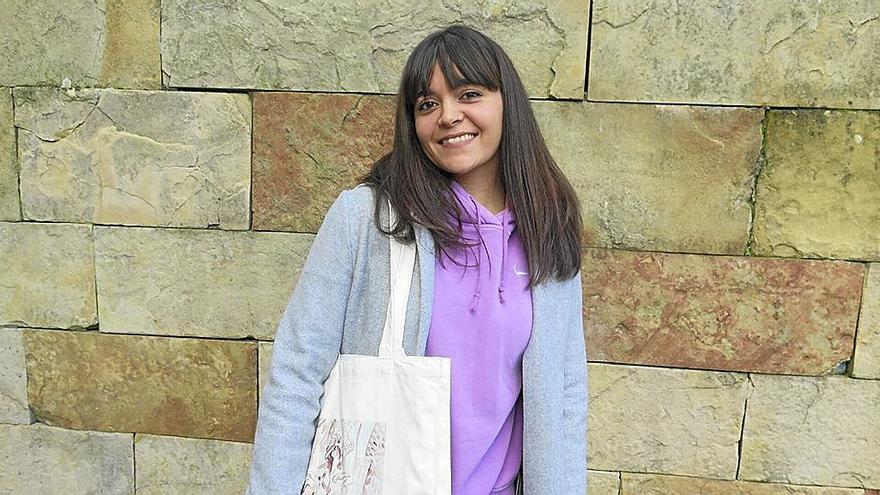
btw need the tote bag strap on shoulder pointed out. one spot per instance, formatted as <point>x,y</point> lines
<point>402,262</point>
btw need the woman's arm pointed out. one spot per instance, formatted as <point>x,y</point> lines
<point>307,344</point>
<point>575,409</point>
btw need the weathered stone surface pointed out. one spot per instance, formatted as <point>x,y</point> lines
<point>173,465</point>
<point>13,380</point>
<point>361,46</point>
<point>192,282</point>
<point>733,313</point>
<point>264,350</point>
<point>664,178</point>
<point>602,482</point>
<point>819,192</point>
<point>308,148</point>
<point>184,387</point>
<point>674,421</point>
<point>9,204</point>
<point>47,275</point>
<point>46,460</point>
<point>92,43</point>
<point>655,484</point>
<point>813,431</point>
<point>866,359</point>
<point>167,158</point>
<point>755,52</point>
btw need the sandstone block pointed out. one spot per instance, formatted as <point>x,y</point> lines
<point>361,46</point>
<point>731,313</point>
<point>656,484</point>
<point>818,194</point>
<point>91,43</point>
<point>813,431</point>
<point>308,148</point>
<point>167,158</point>
<point>173,465</point>
<point>750,52</point>
<point>866,360</point>
<point>674,421</point>
<point>47,275</point>
<point>192,282</point>
<point>10,208</point>
<point>662,178</point>
<point>602,482</point>
<point>45,460</point>
<point>171,386</point>
<point>13,380</point>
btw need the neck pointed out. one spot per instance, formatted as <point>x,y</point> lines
<point>488,193</point>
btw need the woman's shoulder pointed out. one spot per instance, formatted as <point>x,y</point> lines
<point>352,208</point>
<point>357,203</point>
<point>359,198</point>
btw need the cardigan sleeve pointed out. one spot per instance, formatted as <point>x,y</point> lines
<point>574,411</point>
<point>307,344</point>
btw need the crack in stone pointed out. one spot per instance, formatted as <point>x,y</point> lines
<point>315,160</point>
<point>392,25</point>
<point>123,191</point>
<point>64,133</point>
<point>376,73</point>
<point>858,478</point>
<point>102,29</point>
<point>757,168</point>
<point>626,23</point>
<point>272,12</point>
<point>354,110</point>
<point>336,69</point>
<point>858,26</point>
<point>742,429</point>
<point>813,401</point>
<point>798,252</point>
<point>543,16</point>
<point>820,71</point>
<point>767,52</point>
<point>595,394</point>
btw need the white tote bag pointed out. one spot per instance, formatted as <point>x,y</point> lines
<point>384,421</point>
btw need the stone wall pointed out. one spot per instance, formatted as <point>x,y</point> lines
<point>163,168</point>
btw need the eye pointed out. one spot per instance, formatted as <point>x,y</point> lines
<point>422,106</point>
<point>470,94</point>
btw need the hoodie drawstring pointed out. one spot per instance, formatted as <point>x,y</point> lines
<point>479,271</point>
<point>503,254</point>
<point>476,298</point>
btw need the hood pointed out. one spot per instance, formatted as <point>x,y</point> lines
<point>474,217</point>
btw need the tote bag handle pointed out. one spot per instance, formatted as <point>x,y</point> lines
<point>402,262</point>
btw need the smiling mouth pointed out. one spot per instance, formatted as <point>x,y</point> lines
<point>458,139</point>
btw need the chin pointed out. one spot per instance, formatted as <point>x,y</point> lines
<point>458,168</point>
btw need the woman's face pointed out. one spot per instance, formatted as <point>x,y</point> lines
<point>460,129</point>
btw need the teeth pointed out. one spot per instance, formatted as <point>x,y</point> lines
<point>458,139</point>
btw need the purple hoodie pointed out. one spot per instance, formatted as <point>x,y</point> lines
<point>482,319</point>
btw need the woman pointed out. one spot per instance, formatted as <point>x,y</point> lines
<point>497,285</point>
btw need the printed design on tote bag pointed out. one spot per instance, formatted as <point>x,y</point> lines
<point>348,457</point>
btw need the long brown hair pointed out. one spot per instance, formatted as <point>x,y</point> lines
<point>545,204</point>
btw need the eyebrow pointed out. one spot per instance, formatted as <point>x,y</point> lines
<point>431,93</point>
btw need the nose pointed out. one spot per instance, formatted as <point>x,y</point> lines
<point>450,114</point>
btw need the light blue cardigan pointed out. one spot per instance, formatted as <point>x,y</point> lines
<point>339,306</point>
